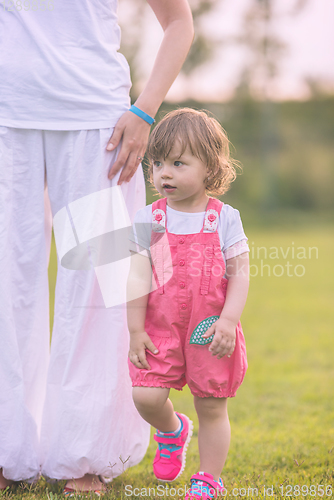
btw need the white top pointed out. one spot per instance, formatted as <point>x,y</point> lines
<point>60,69</point>
<point>229,229</point>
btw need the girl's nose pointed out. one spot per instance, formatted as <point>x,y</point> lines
<point>166,172</point>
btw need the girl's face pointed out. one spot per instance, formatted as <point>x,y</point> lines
<point>181,179</point>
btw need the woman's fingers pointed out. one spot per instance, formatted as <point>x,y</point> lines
<point>115,137</point>
<point>130,167</point>
<point>132,133</point>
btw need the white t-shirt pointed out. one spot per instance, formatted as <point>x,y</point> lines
<point>60,69</point>
<point>229,229</point>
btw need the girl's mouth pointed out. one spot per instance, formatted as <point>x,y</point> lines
<point>168,188</point>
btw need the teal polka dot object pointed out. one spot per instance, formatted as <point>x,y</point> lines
<point>201,328</point>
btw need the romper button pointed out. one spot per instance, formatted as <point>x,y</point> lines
<point>182,284</point>
<point>181,262</point>
<point>181,241</point>
<point>184,306</point>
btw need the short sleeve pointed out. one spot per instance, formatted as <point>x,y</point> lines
<point>238,248</point>
<point>140,234</point>
<point>231,230</point>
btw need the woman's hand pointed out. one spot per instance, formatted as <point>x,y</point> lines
<point>139,342</point>
<point>133,131</point>
<point>223,343</point>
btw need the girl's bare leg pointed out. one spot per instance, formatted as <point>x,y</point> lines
<point>156,408</point>
<point>214,434</point>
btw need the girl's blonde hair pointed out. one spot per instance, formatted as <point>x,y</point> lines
<point>204,137</point>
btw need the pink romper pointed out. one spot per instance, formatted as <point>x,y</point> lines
<point>189,294</point>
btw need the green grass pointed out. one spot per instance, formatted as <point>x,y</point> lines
<point>282,417</point>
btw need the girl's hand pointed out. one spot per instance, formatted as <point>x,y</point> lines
<point>223,343</point>
<point>134,132</point>
<point>139,342</point>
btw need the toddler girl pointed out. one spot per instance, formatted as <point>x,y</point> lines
<point>186,299</point>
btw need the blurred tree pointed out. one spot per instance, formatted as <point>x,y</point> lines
<point>133,15</point>
<point>258,38</point>
<point>265,50</point>
<point>263,47</point>
<point>203,47</point>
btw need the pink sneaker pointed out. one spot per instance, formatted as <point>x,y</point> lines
<point>204,487</point>
<point>170,458</point>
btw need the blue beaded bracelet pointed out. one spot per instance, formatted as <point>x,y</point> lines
<point>142,114</point>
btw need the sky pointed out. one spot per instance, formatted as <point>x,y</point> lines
<point>309,37</point>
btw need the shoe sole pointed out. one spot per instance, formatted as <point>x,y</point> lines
<point>184,452</point>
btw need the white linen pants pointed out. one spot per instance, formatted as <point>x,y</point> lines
<point>74,415</point>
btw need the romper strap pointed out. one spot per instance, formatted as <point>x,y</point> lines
<point>212,213</point>
<point>157,250</point>
<point>210,225</point>
<point>159,215</point>
<point>160,203</point>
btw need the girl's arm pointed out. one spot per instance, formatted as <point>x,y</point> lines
<point>176,21</point>
<point>237,273</point>
<point>138,288</point>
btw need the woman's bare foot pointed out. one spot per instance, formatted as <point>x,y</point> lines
<point>90,482</point>
<point>4,482</point>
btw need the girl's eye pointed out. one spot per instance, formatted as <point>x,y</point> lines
<point>157,163</point>
<point>178,163</point>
